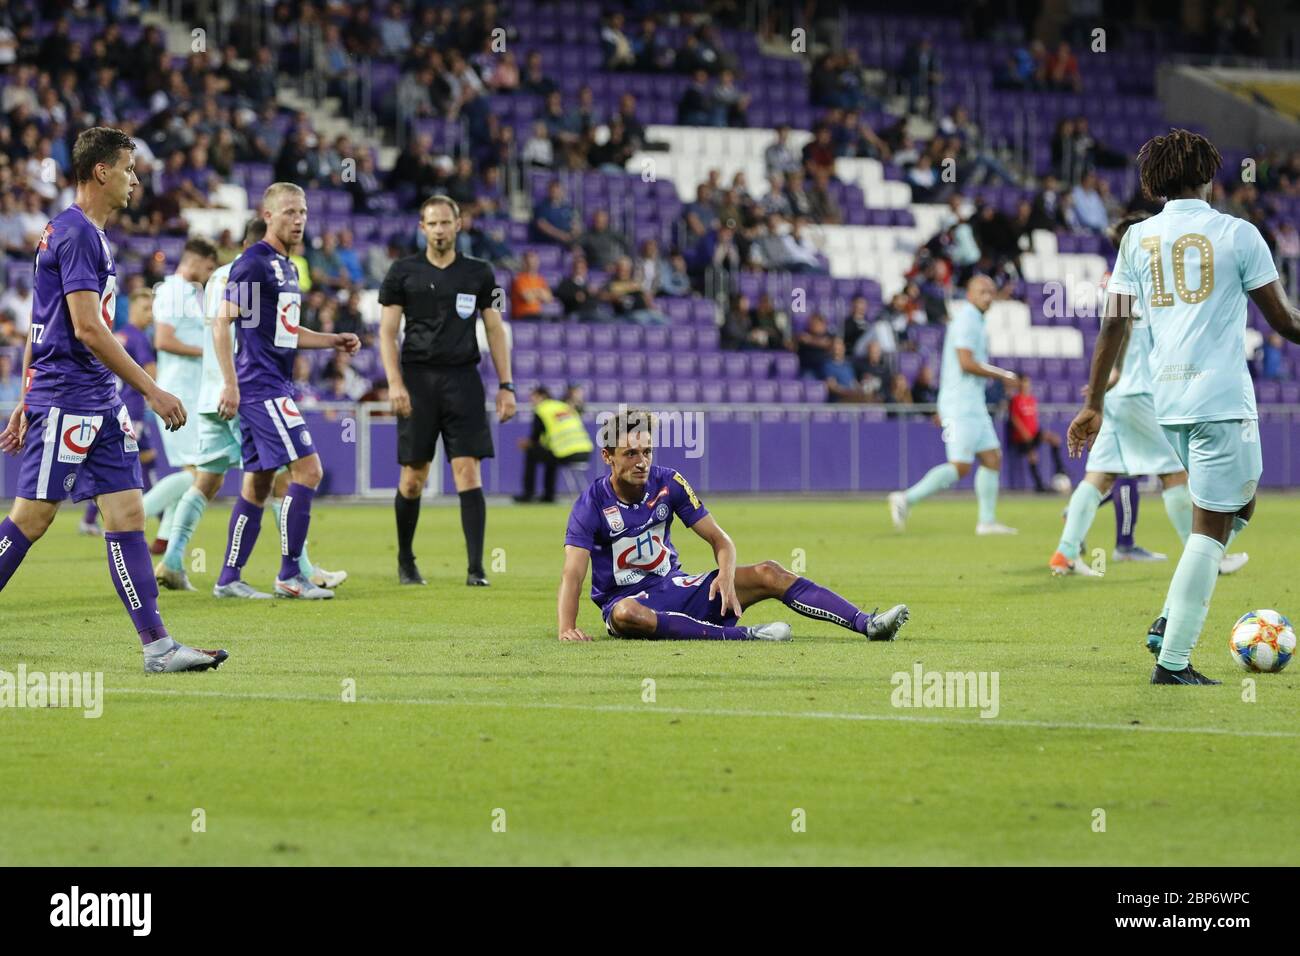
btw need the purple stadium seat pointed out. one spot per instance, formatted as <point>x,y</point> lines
<point>678,310</point>
<point>632,365</point>
<point>656,338</point>
<point>760,364</point>
<point>524,334</point>
<point>814,392</point>
<point>707,340</point>
<point>765,392</point>
<point>577,336</point>
<point>740,391</point>
<point>1270,393</point>
<point>602,338</point>
<point>580,364</point>
<point>657,364</point>
<point>712,392</point>
<point>605,391</point>
<point>553,363</point>
<point>524,362</point>
<point>790,393</point>
<point>1291,393</point>
<point>550,336</point>
<point>735,365</point>
<point>685,365</point>
<point>710,365</point>
<point>686,392</point>
<point>785,365</point>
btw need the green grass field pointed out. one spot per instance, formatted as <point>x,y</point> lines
<point>467,704</point>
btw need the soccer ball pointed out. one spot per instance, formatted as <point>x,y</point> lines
<point>1262,641</point>
<point>1061,483</point>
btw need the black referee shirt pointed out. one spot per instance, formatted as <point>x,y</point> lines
<point>441,307</point>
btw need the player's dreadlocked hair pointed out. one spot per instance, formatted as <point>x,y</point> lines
<point>1176,162</point>
<point>1117,230</point>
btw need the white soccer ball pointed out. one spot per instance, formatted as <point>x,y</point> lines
<point>1262,641</point>
<point>1061,483</point>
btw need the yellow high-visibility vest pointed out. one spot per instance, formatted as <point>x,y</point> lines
<point>565,434</point>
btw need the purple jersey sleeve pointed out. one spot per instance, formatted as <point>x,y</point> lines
<point>80,257</point>
<point>583,522</point>
<point>685,502</point>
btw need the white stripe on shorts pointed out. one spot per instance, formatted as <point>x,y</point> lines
<point>274,412</point>
<point>51,440</point>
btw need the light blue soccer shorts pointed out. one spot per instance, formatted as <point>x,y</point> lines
<point>1131,441</point>
<point>219,443</point>
<point>964,436</point>
<point>1223,460</point>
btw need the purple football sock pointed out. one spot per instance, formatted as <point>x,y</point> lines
<point>13,548</point>
<point>132,571</point>
<point>92,512</point>
<point>1126,511</point>
<point>813,600</point>
<point>673,626</point>
<point>245,523</point>
<point>295,516</point>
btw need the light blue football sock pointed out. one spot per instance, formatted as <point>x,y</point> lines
<point>1178,505</point>
<point>167,492</point>
<point>1189,599</point>
<point>305,567</point>
<point>189,510</point>
<point>166,521</point>
<point>986,493</point>
<point>936,479</point>
<point>1079,517</point>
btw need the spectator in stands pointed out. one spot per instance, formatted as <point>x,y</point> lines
<point>776,202</point>
<point>343,382</point>
<point>538,150</point>
<point>365,185</point>
<point>482,242</point>
<point>503,75</point>
<point>380,258</point>
<point>900,393</point>
<point>676,281</point>
<point>1089,207</point>
<point>813,346</point>
<point>696,107</point>
<point>580,301</point>
<point>922,75</point>
<point>629,298</point>
<point>13,231</point>
<point>327,267</point>
<point>1272,364</point>
<point>731,106</point>
<point>819,152</point>
<point>924,391</point>
<point>348,318</point>
<point>529,293</point>
<point>650,266</point>
<point>614,44</point>
<point>554,220</point>
<point>842,384</point>
<point>1024,69</point>
<point>613,154</point>
<point>653,54</point>
<point>564,129</point>
<point>603,245</point>
<point>780,157</point>
<point>736,325</point>
<point>1026,435</point>
<point>824,207</point>
<point>855,137</point>
<point>394,31</point>
<point>583,118</point>
<point>702,210</point>
<point>1062,70</point>
<point>633,128</point>
<point>856,324</point>
<point>873,368</point>
<point>347,254</point>
<point>924,181</point>
<point>715,258</point>
<point>535,81</point>
<point>1047,212</point>
<point>767,326</point>
<point>11,386</point>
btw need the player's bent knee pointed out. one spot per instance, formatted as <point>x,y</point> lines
<point>630,618</point>
<point>963,468</point>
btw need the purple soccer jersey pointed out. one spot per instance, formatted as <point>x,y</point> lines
<point>73,256</point>
<point>266,281</point>
<point>630,546</point>
<point>139,347</point>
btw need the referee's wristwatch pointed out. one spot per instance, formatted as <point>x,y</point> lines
<point>508,386</point>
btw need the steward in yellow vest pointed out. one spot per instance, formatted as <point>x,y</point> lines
<point>559,438</point>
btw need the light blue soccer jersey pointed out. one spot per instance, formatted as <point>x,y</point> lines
<point>210,379</point>
<point>1190,268</point>
<point>180,304</point>
<point>1135,375</point>
<point>960,393</point>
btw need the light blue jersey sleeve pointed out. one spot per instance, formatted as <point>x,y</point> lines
<point>1254,259</point>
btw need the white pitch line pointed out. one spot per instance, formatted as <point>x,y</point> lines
<point>710,712</point>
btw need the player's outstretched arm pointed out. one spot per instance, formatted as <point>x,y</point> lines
<point>390,319</point>
<point>724,552</point>
<point>91,332</point>
<point>500,351</point>
<point>576,561</point>
<point>338,341</point>
<point>1280,314</point>
<point>966,359</point>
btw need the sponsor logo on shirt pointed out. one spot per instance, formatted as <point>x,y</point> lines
<point>686,486</point>
<point>128,430</point>
<point>292,417</point>
<point>614,519</point>
<point>287,307</point>
<point>77,436</point>
<point>689,580</point>
<point>635,557</point>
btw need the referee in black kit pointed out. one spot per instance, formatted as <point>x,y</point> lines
<point>435,387</point>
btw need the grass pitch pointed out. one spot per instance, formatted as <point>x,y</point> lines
<point>470,718</point>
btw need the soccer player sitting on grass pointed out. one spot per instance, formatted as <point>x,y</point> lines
<point>621,524</point>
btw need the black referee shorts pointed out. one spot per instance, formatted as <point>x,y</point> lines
<point>444,401</point>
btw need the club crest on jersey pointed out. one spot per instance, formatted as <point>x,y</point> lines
<point>76,436</point>
<point>465,303</point>
<point>614,518</point>
<point>635,557</point>
<point>661,512</point>
<point>69,480</point>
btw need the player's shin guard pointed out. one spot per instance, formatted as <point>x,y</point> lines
<point>13,548</point>
<point>408,516</point>
<point>1126,511</point>
<point>1079,517</point>
<point>473,521</point>
<point>813,600</point>
<point>674,626</point>
<point>986,493</point>
<point>295,517</point>
<point>189,510</point>
<point>1178,505</point>
<point>132,571</point>
<point>936,479</point>
<point>1189,599</point>
<point>245,524</point>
